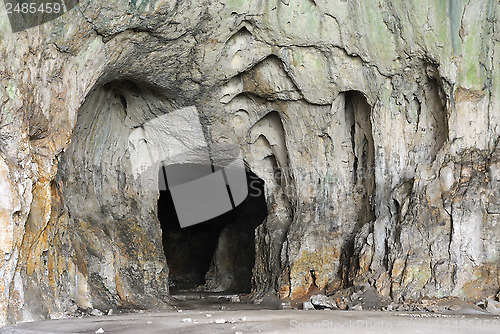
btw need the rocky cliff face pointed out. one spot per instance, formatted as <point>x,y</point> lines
<point>373,124</point>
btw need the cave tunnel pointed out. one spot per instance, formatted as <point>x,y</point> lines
<point>215,255</point>
<point>126,230</point>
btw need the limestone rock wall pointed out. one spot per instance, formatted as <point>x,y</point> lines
<point>374,124</point>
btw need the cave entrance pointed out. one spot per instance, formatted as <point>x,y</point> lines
<point>217,255</point>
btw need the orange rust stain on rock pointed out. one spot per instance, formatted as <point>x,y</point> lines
<point>284,291</point>
<point>126,298</point>
<point>465,95</point>
<point>16,304</point>
<point>483,280</point>
<point>51,267</point>
<point>79,259</point>
<point>39,214</point>
<point>7,208</point>
<point>119,289</point>
<point>313,270</point>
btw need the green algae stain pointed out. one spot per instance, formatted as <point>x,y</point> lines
<point>89,53</point>
<point>297,58</point>
<point>455,16</point>
<point>300,19</point>
<point>11,93</point>
<point>11,90</point>
<point>418,274</point>
<point>473,77</point>
<point>475,52</point>
<point>236,4</point>
<point>442,27</point>
<point>142,6</point>
<point>381,40</point>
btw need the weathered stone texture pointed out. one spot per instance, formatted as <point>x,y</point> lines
<point>374,124</point>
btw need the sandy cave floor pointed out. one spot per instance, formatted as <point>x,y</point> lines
<point>212,313</point>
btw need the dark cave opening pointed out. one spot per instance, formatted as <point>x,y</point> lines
<point>217,254</point>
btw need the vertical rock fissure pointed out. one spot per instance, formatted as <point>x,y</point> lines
<point>358,119</point>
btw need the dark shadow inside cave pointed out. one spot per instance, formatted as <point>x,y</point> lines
<point>218,254</point>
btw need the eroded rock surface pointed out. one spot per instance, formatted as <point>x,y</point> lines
<point>374,125</point>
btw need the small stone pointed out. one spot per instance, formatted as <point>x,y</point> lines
<point>220,321</point>
<point>99,331</point>
<point>356,295</point>
<point>238,332</point>
<point>235,299</point>
<point>455,308</point>
<point>149,322</point>
<point>96,312</point>
<point>426,302</point>
<point>208,315</point>
<point>433,308</point>
<point>357,307</point>
<point>341,304</point>
<point>187,320</point>
<point>307,306</point>
<point>110,312</point>
<point>180,311</point>
<point>492,306</point>
<point>285,306</point>
<point>244,318</point>
<point>402,308</point>
<point>322,301</point>
<point>392,307</point>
